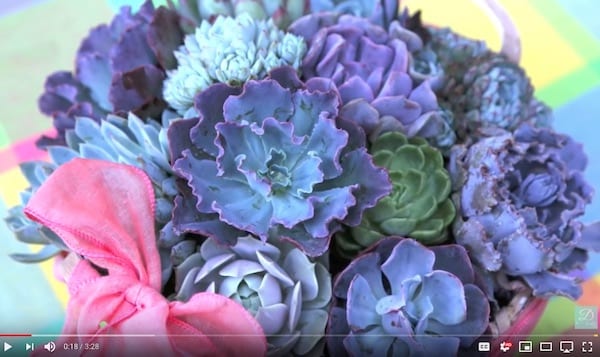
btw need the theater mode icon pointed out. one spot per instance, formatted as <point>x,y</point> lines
<point>545,346</point>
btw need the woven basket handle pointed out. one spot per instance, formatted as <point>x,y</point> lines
<point>511,41</point>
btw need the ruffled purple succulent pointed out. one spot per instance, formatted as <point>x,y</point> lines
<point>273,159</point>
<point>380,12</point>
<point>120,68</point>
<point>401,298</point>
<point>519,199</point>
<point>369,65</point>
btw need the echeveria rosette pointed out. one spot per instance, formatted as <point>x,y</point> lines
<point>400,298</point>
<point>230,50</point>
<point>120,68</point>
<point>484,90</point>
<point>518,199</point>
<point>275,162</point>
<point>369,65</point>
<point>116,139</point>
<point>281,12</point>
<point>445,54</point>
<point>419,205</point>
<point>287,293</point>
<point>498,94</point>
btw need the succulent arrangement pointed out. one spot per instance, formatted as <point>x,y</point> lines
<point>352,180</point>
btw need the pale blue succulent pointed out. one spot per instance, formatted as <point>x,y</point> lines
<point>230,50</point>
<point>129,141</point>
<point>276,162</point>
<point>282,12</point>
<point>401,298</point>
<point>288,293</point>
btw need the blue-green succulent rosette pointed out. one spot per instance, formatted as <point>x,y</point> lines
<point>272,159</point>
<point>400,298</point>
<point>126,140</point>
<point>288,293</point>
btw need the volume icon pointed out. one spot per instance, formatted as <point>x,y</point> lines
<point>29,347</point>
<point>50,346</point>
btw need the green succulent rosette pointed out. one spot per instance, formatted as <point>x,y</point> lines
<point>419,205</point>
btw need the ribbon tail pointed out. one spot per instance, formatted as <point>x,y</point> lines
<point>230,328</point>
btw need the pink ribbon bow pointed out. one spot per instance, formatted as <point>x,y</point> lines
<point>104,212</point>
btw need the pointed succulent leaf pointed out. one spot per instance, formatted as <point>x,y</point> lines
<point>47,252</point>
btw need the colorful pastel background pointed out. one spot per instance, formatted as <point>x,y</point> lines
<point>561,53</point>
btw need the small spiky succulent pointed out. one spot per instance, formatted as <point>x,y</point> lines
<point>495,93</point>
<point>484,90</point>
<point>285,291</point>
<point>448,53</point>
<point>281,12</point>
<point>232,51</point>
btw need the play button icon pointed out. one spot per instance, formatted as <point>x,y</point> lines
<point>7,346</point>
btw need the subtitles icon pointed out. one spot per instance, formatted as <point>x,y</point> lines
<point>484,346</point>
<point>566,346</point>
<point>545,346</point>
<point>505,346</point>
<point>525,346</point>
<point>587,347</point>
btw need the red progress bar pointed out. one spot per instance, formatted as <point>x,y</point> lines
<point>15,335</point>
